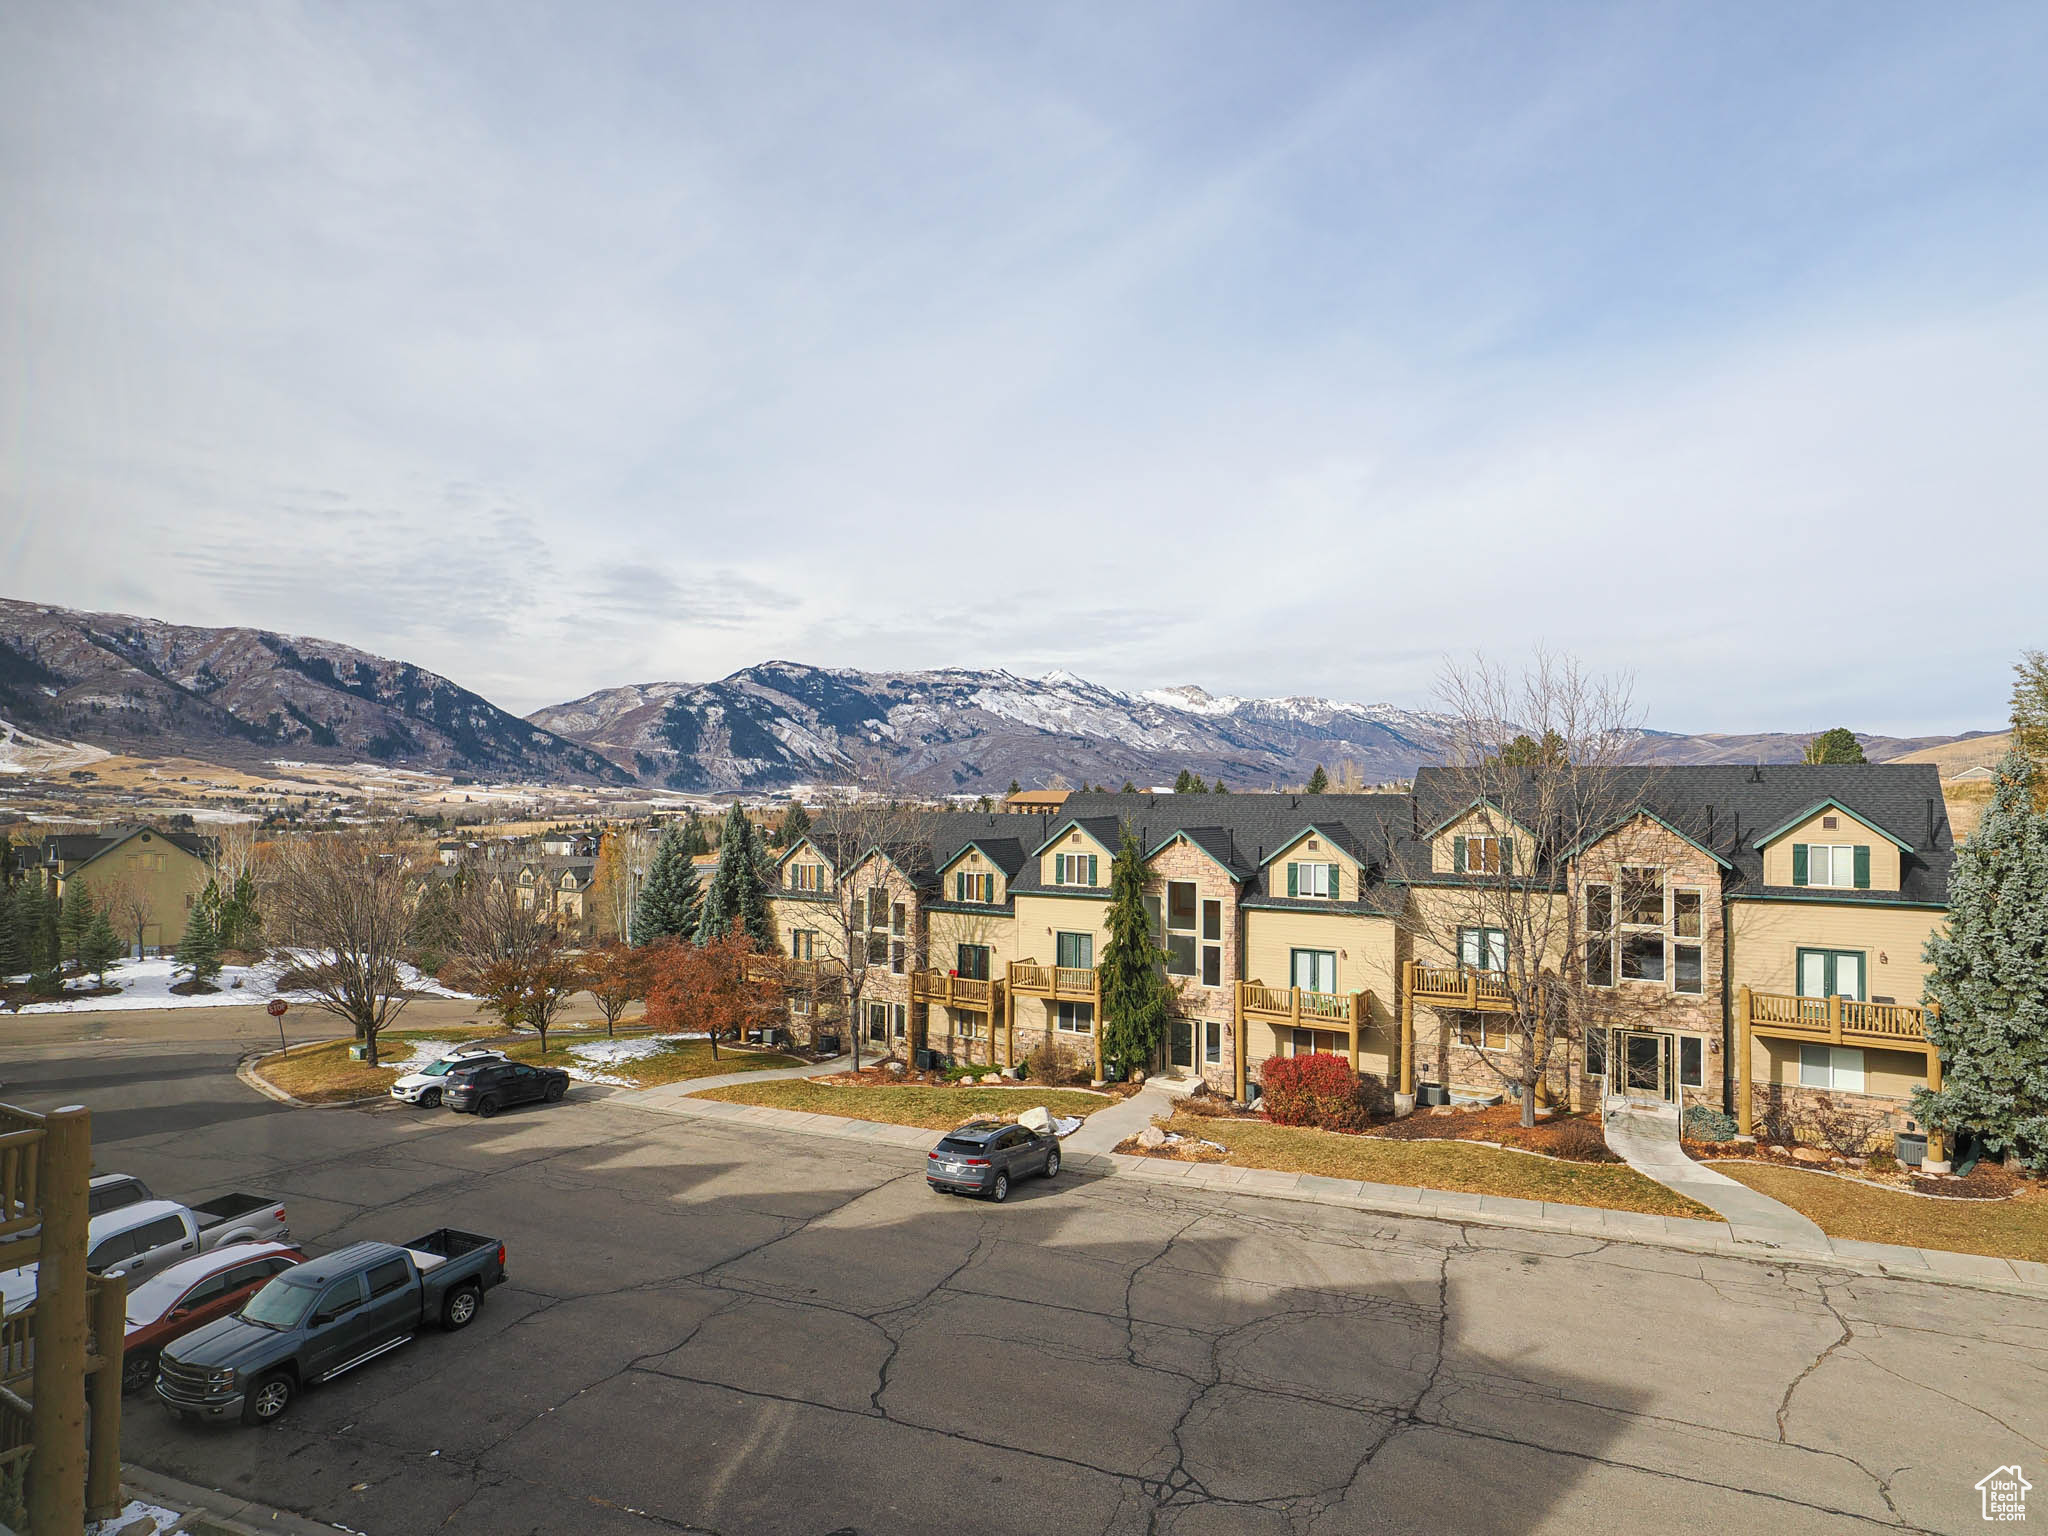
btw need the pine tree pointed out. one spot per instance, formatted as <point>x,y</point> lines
<point>25,906</point>
<point>1183,783</point>
<point>1222,788</point>
<point>796,823</point>
<point>1318,781</point>
<point>11,963</point>
<point>1129,788</point>
<point>49,946</point>
<point>1835,746</point>
<point>102,945</point>
<point>1988,978</point>
<point>671,901</point>
<point>1134,990</point>
<point>241,925</point>
<point>1016,788</point>
<point>74,917</point>
<point>199,948</point>
<point>736,902</point>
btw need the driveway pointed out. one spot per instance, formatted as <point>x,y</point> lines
<point>717,1329</point>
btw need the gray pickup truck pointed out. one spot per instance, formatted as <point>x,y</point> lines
<point>326,1316</point>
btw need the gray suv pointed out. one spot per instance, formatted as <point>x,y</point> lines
<point>986,1157</point>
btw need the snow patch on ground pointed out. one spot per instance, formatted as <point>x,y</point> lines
<point>133,1513</point>
<point>147,984</point>
<point>595,1055</point>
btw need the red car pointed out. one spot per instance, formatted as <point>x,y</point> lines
<point>190,1295</point>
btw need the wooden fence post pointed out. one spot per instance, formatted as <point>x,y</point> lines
<point>56,1492</point>
<point>103,1455</point>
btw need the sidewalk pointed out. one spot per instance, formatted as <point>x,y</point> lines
<point>729,1079</point>
<point>1649,1144</point>
<point>158,1504</point>
<point>2018,1277</point>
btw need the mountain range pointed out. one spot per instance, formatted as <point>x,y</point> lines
<point>238,695</point>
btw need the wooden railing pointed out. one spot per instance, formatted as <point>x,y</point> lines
<point>1075,982</point>
<point>1457,986</point>
<point>1297,1005</point>
<point>21,1162</point>
<point>933,986</point>
<point>1836,1018</point>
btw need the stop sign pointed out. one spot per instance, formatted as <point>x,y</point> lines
<point>277,1007</point>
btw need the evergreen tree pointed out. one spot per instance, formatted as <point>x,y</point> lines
<point>2030,718</point>
<point>239,923</point>
<point>1016,788</point>
<point>102,945</point>
<point>74,917</point>
<point>1222,788</point>
<point>796,823</point>
<point>736,902</point>
<point>199,948</point>
<point>1988,980</point>
<point>48,958</point>
<point>1184,782</point>
<point>1318,781</point>
<point>11,961</point>
<point>26,900</point>
<point>1836,746</point>
<point>1134,990</point>
<point>1129,788</point>
<point>671,901</point>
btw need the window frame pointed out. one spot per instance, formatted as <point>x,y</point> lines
<point>1696,1046</point>
<point>1485,948</point>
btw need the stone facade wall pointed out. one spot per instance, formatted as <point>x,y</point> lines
<point>1182,860</point>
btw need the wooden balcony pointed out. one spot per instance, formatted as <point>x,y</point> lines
<point>21,1163</point>
<point>1836,1020</point>
<point>1060,983</point>
<point>943,990</point>
<point>1458,986</point>
<point>1298,1007</point>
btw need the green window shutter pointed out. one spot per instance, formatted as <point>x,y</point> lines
<point>1294,879</point>
<point>1507,855</point>
<point>1799,863</point>
<point>1863,866</point>
<point>1458,855</point>
<point>959,886</point>
<point>1336,885</point>
<point>1091,869</point>
<point>1059,869</point>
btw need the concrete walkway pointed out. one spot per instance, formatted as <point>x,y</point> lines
<point>642,1097</point>
<point>1106,1127</point>
<point>1648,1143</point>
<point>1219,1181</point>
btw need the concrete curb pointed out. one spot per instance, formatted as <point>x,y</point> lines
<point>2014,1277</point>
<point>245,1069</point>
<point>229,1511</point>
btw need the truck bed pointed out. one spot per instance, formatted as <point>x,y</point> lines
<point>226,1208</point>
<point>445,1243</point>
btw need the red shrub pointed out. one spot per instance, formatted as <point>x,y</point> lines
<point>1319,1090</point>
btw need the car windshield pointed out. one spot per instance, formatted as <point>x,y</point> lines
<point>280,1304</point>
<point>439,1068</point>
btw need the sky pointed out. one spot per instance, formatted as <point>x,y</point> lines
<point>1277,348</point>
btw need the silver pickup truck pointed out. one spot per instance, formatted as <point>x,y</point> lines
<point>138,1240</point>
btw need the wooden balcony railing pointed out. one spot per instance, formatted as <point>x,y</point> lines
<point>1458,986</point>
<point>1836,1019</point>
<point>947,991</point>
<point>1066,983</point>
<point>21,1163</point>
<point>1298,1006</point>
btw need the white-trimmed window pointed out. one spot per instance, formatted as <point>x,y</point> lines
<point>1839,866</point>
<point>1482,1032</point>
<point>969,886</point>
<point>1692,1061</point>
<point>1838,1068</point>
<point>1483,949</point>
<point>806,877</point>
<point>1325,880</point>
<point>1599,937</point>
<point>1482,854</point>
<point>1074,1018</point>
<point>1212,1041</point>
<point>1073,868</point>
<point>803,944</point>
<point>1688,942</point>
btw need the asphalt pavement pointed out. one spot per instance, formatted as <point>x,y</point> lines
<point>715,1327</point>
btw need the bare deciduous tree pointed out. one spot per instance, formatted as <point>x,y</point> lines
<point>339,898</point>
<point>511,953</point>
<point>1539,770</point>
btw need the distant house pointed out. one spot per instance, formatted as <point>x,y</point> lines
<point>1038,802</point>
<point>150,875</point>
<point>1982,773</point>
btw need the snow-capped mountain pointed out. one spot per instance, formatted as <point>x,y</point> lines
<point>243,695</point>
<point>962,730</point>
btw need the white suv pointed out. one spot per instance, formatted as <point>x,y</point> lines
<point>424,1086</point>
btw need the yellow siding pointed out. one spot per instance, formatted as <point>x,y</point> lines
<point>1477,822</point>
<point>1312,849</point>
<point>1364,947</point>
<point>164,876</point>
<point>1768,935</point>
<point>973,862</point>
<point>1076,841</point>
<point>1886,1074</point>
<point>1039,918</point>
<point>1884,855</point>
<point>998,930</point>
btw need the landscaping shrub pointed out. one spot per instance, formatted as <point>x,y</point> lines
<point>1580,1140</point>
<point>1881,1161</point>
<point>1056,1063</point>
<point>1208,1107</point>
<point>1321,1090</point>
<point>1704,1124</point>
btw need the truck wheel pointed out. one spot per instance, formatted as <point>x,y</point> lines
<point>555,1092</point>
<point>485,1108</point>
<point>138,1371</point>
<point>1052,1162</point>
<point>431,1099</point>
<point>458,1308</point>
<point>1000,1190</point>
<point>268,1399</point>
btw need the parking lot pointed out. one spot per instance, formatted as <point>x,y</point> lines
<point>716,1329</point>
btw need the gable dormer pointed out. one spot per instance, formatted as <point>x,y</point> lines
<point>805,870</point>
<point>973,878</point>
<point>1830,847</point>
<point>1075,860</point>
<point>1480,840</point>
<point>1313,867</point>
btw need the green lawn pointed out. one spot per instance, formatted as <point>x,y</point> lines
<point>2006,1229</point>
<point>1437,1165</point>
<point>936,1109</point>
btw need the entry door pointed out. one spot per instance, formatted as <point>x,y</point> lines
<point>1646,1065</point>
<point>1182,1034</point>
